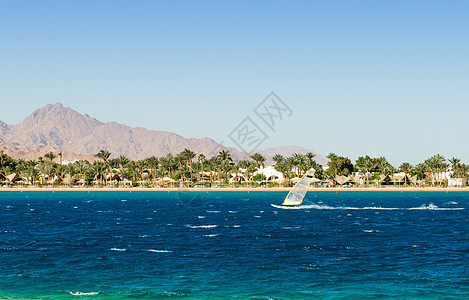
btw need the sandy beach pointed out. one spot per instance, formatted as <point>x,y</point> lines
<point>239,189</point>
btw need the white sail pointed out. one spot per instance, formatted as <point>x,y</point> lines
<point>297,193</point>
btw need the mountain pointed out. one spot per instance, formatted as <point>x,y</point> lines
<point>57,128</point>
<point>63,129</point>
<point>4,127</point>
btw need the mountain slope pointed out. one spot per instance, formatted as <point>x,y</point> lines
<point>65,130</point>
<point>61,129</point>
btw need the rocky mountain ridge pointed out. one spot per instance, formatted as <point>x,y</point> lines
<point>57,128</point>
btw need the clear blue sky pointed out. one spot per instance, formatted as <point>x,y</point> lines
<point>364,77</point>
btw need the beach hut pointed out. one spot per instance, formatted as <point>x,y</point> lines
<point>356,180</point>
<point>114,179</point>
<point>56,179</point>
<point>343,180</point>
<point>385,179</point>
<point>12,177</point>
<point>295,179</point>
<point>413,180</point>
<point>400,179</point>
<point>68,179</point>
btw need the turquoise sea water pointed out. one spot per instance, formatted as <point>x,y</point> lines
<point>155,245</point>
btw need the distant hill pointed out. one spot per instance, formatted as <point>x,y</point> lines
<point>61,129</point>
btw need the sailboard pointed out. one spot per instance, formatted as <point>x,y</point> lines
<point>298,192</point>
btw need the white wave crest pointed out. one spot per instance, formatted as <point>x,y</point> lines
<point>201,226</point>
<point>291,227</point>
<point>430,206</point>
<point>118,249</point>
<point>159,251</point>
<point>210,235</point>
<point>83,293</point>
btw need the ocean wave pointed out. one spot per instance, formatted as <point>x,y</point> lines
<point>213,211</point>
<point>430,206</point>
<point>159,251</point>
<point>83,293</point>
<point>201,226</point>
<point>201,217</point>
<point>118,249</point>
<point>210,235</point>
<point>291,227</point>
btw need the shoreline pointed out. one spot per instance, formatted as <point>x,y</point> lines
<point>231,189</point>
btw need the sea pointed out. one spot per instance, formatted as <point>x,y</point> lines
<point>233,245</point>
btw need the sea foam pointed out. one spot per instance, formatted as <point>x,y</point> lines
<point>201,226</point>
<point>430,206</point>
<point>83,293</point>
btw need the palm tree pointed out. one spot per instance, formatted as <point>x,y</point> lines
<point>224,162</point>
<point>99,171</point>
<point>188,156</point>
<point>50,156</point>
<point>201,160</point>
<point>436,164</point>
<point>259,159</point>
<point>152,163</point>
<point>278,158</point>
<point>333,164</point>
<point>104,155</point>
<point>310,159</point>
<point>123,161</point>
<point>168,164</point>
<point>454,163</point>
<point>406,168</point>
<point>422,170</point>
<point>71,171</point>
<point>224,155</point>
<point>82,167</point>
<point>365,165</point>
<point>462,172</point>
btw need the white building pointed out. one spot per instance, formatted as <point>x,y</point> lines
<point>270,174</point>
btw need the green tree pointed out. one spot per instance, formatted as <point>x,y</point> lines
<point>405,168</point>
<point>82,167</point>
<point>50,156</point>
<point>259,159</point>
<point>153,163</point>
<point>188,156</point>
<point>365,165</point>
<point>104,155</point>
<point>455,163</point>
<point>338,165</point>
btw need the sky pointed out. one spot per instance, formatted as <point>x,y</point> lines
<point>378,78</point>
